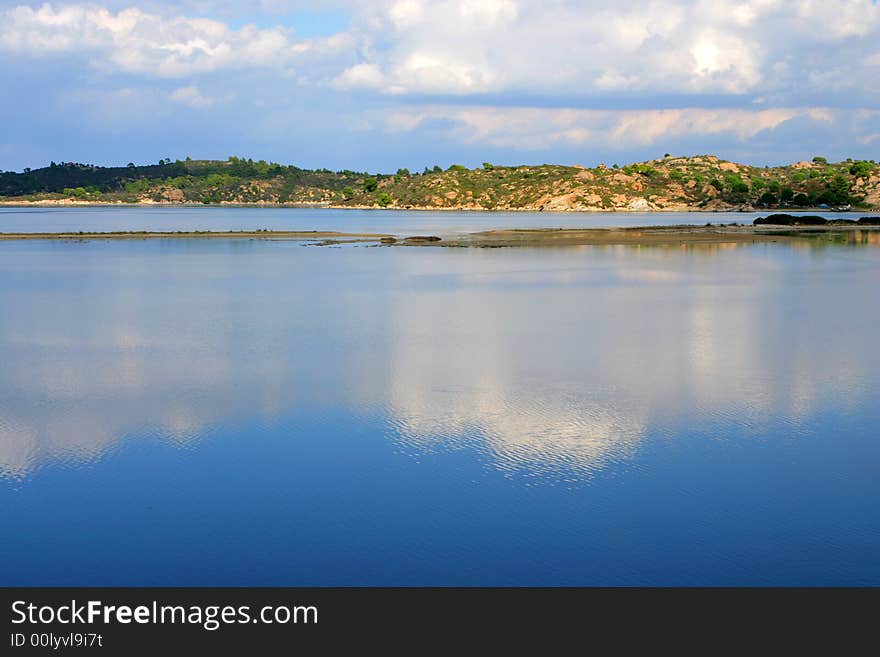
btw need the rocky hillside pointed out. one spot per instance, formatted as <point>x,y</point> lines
<point>672,183</point>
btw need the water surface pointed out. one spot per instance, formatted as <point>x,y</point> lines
<point>397,222</point>
<point>257,412</point>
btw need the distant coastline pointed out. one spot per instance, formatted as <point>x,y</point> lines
<point>703,183</point>
<point>409,208</point>
<point>328,206</point>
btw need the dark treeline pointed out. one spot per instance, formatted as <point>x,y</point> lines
<point>81,180</point>
<point>58,177</point>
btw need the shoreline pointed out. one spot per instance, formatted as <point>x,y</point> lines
<point>51,203</point>
<point>509,237</point>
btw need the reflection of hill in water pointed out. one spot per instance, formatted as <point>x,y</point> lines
<point>562,360</point>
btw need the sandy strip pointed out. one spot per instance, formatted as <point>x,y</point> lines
<point>233,234</point>
<point>536,237</point>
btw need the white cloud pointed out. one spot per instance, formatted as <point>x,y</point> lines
<point>147,44</point>
<point>838,20</point>
<point>461,47</point>
<point>491,46</point>
<point>659,69</point>
<point>537,128</point>
<point>191,96</point>
<point>360,75</point>
<point>405,13</point>
<point>660,46</point>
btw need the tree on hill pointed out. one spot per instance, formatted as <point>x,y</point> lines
<point>768,198</point>
<point>861,169</point>
<point>735,189</point>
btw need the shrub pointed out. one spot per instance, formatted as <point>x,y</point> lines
<point>370,184</point>
<point>820,160</point>
<point>836,192</point>
<point>383,199</point>
<point>861,169</point>
<point>76,192</point>
<point>737,185</point>
<point>768,198</point>
<point>138,186</point>
<point>219,180</point>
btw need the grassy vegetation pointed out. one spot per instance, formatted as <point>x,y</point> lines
<point>702,182</point>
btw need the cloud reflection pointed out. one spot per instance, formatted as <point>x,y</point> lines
<point>569,362</point>
<point>559,361</point>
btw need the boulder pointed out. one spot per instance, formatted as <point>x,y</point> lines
<point>420,239</point>
<point>790,220</point>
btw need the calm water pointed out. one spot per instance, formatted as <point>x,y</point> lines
<point>48,220</point>
<point>252,412</point>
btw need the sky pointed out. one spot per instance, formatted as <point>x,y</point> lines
<point>376,85</point>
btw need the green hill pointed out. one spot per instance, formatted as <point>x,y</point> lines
<point>671,183</point>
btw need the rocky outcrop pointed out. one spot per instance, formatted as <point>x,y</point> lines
<point>639,205</point>
<point>173,195</point>
<point>871,190</point>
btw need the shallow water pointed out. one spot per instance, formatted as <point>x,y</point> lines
<point>396,222</point>
<point>258,412</point>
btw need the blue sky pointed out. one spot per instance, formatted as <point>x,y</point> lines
<point>377,85</point>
